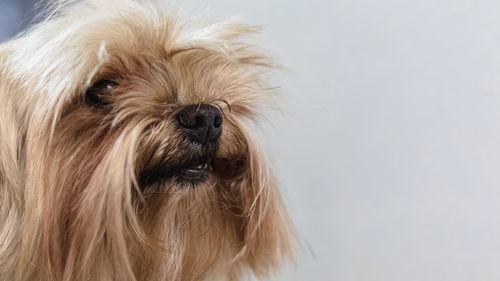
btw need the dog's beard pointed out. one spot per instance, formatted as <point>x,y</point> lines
<point>126,197</point>
<point>99,185</point>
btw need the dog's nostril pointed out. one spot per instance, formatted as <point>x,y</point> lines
<point>202,123</point>
<point>217,121</point>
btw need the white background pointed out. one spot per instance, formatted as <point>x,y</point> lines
<point>388,147</point>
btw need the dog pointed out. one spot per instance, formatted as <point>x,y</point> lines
<point>127,151</point>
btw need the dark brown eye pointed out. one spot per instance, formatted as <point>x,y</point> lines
<point>98,94</point>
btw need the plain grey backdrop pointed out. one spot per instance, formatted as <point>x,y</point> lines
<point>388,147</point>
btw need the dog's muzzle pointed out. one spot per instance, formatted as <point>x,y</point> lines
<point>201,125</point>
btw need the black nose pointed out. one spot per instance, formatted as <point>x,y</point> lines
<point>202,123</point>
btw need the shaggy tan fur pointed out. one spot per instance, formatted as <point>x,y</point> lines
<point>72,205</point>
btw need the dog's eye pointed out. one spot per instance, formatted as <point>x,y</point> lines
<point>98,94</point>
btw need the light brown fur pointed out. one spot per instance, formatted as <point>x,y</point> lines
<point>72,206</point>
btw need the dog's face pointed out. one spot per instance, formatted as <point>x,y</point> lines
<point>133,159</point>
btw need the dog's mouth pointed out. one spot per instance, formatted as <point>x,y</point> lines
<point>195,171</point>
<point>192,172</point>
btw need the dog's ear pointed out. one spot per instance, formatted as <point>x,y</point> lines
<point>267,233</point>
<point>9,142</point>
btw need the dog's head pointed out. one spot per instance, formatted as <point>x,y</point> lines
<point>133,157</point>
